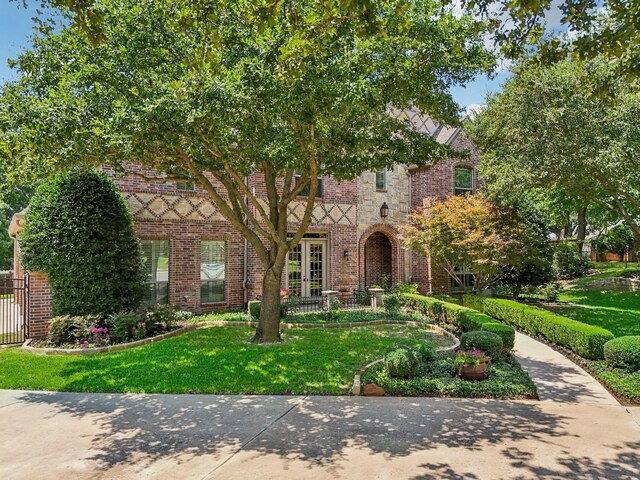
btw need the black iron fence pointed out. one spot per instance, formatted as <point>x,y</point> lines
<point>14,309</point>
<point>352,300</point>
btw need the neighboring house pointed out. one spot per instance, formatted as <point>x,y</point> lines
<point>195,259</point>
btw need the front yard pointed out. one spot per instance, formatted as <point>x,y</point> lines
<point>217,360</point>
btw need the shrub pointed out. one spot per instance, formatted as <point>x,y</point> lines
<point>127,326</point>
<point>487,342</point>
<point>79,231</point>
<point>159,318</point>
<point>623,352</point>
<point>427,352</point>
<point>402,361</point>
<point>68,329</point>
<point>408,288</point>
<point>568,262</point>
<point>585,340</point>
<point>391,302</point>
<point>253,308</point>
<point>463,317</point>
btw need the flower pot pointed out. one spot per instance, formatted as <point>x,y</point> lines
<point>474,372</point>
<point>345,295</point>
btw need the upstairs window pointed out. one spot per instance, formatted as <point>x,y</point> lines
<point>186,186</point>
<point>381,179</point>
<point>155,258</point>
<point>463,180</point>
<point>305,191</point>
<point>212,271</point>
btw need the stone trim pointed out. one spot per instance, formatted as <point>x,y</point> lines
<point>355,389</point>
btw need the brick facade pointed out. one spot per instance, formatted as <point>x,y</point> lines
<point>361,246</point>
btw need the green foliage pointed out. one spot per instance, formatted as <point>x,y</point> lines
<point>402,361</point>
<point>506,379</point>
<point>623,353</point>
<point>488,342</point>
<point>585,340</point>
<point>163,318</point>
<point>471,230</point>
<point>621,382</point>
<point>428,352</point>
<point>618,239</point>
<point>253,308</point>
<point>411,288</point>
<point>78,230</point>
<point>568,262</point>
<point>467,319</point>
<point>125,326</point>
<point>12,200</point>
<point>71,329</point>
<point>391,302</point>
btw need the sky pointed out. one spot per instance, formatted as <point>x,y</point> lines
<point>16,27</point>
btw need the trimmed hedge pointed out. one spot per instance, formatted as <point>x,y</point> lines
<point>623,352</point>
<point>463,317</point>
<point>487,342</point>
<point>585,340</point>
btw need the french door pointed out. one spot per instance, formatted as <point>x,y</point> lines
<point>307,268</point>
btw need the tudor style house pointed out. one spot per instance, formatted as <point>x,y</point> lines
<point>195,259</point>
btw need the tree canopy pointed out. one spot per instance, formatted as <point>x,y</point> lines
<point>204,92</point>
<point>549,130</point>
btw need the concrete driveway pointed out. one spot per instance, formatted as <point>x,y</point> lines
<point>107,436</point>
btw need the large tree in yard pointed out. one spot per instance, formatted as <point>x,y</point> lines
<point>473,232</point>
<point>201,91</point>
<point>569,130</point>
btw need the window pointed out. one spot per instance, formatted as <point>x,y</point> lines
<point>155,258</point>
<point>305,190</point>
<point>186,186</point>
<point>463,180</point>
<point>381,179</point>
<point>467,278</point>
<point>212,271</point>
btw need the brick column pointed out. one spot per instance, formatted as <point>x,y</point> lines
<point>40,308</point>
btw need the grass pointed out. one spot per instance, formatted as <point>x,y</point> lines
<point>506,379</point>
<point>216,360</point>
<point>618,312</point>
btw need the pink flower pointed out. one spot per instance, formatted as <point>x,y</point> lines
<point>143,324</point>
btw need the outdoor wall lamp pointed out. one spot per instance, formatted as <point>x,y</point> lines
<point>384,210</point>
<point>347,255</point>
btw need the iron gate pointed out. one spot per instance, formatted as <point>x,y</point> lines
<point>14,309</point>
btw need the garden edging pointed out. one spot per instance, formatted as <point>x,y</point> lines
<point>356,388</point>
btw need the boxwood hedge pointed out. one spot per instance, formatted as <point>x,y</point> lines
<point>585,340</point>
<point>623,352</point>
<point>467,319</point>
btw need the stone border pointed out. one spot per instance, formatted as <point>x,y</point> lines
<point>26,347</point>
<point>355,389</point>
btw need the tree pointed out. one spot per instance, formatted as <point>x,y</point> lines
<point>79,231</point>
<point>207,94</point>
<point>549,130</point>
<point>598,28</point>
<point>618,239</point>
<point>473,232</point>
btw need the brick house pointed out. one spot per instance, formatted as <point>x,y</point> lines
<point>195,258</point>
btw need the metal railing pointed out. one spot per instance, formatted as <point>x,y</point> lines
<point>352,300</point>
<point>14,309</point>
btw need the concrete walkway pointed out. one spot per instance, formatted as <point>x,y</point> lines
<point>577,432</point>
<point>559,379</point>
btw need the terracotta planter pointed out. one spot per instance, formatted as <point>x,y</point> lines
<point>345,295</point>
<point>474,373</point>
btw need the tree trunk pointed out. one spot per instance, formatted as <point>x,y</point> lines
<point>581,232</point>
<point>268,330</point>
<point>634,254</point>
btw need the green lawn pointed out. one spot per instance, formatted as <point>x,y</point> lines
<point>216,360</point>
<point>618,312</point>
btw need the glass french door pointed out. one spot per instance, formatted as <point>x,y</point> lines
<point>307,268</point>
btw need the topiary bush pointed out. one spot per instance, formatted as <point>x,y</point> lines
<point>78,230</point>
<point>253,308</point>
<point>70,329</point>
<point>568,262</point>
<point>506,333</point>
<point>402,361</point>
<point>623,352</point>
<point>488,342</point>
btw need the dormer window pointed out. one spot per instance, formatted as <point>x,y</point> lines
<point>463,180</point>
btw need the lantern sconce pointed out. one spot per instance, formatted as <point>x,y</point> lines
<point>384,210</point>
<point>347,255</point>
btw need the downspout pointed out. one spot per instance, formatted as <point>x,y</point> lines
<point>245,297</point>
